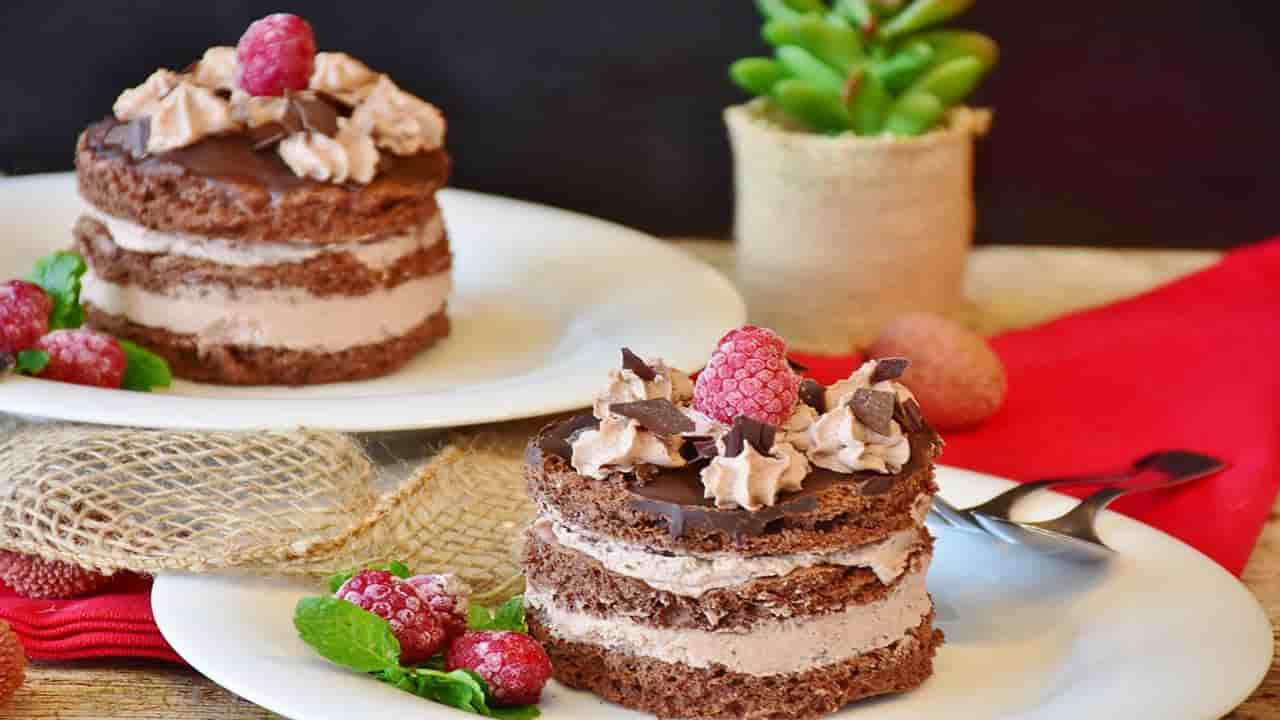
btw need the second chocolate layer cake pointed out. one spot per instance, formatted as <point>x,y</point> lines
<point>652,591</point>
<point>250,240</point>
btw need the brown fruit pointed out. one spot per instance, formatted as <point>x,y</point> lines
<point>956,377</point>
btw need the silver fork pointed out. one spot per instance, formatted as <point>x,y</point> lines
<point>1169,462</point>
<point>1075,531</point>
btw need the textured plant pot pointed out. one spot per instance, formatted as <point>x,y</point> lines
<point>836,235</point>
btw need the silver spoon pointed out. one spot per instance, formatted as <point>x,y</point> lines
<point>1076,531</point>
<point>1170,462</point>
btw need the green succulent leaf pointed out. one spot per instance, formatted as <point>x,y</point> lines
<point>951,44</point>
<point>395,567</point>
<point>857,12</point>
<point>757,75</point>
<point>59,274</point>
<point>818,108</point>
<point>914,114</point>
<point>31,362</point>
<point>834,43</point>
<point>921,14</point>
<point>868,104</point>
<point>787,9</point>
<point>144,370</point>
<point>507,616</point>
<point>346,634</point>
<point>952,81</point>
<point>805,66</point>
<point>902,67</point>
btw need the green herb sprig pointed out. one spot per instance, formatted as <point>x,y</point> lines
<point>869,67</point>
<point>348,635</point>
<point>59,275</point>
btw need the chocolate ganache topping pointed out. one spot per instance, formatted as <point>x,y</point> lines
<point>348,127</point>
<point>864,432</point>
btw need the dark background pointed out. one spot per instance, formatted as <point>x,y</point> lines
<point>1149,122</point>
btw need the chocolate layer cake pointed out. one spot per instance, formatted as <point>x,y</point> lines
<point>787,590</point>
<point>252,240</point>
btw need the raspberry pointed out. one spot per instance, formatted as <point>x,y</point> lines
<point>24,315</point>
<point>34,577</point>
<point>277,53</point>
<point>13,663</point>
<point>748,375</point>
<point>446,595</point>
<point>514,664</point>
<point>420,632</point>
<point>83,357</point>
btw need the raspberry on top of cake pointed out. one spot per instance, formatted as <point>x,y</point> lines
<point>749,545</point>
<point>268,215</point>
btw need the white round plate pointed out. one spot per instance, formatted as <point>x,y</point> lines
<point>1161,631</point>
<point>544,300</point>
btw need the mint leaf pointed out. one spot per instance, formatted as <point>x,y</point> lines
<point>32,362</point>
<point>508,616</point>
<point>395,567</point>
<point>462,689</point>
<point>59,274</point>
<point>346,634</point>
<point>144,369</point>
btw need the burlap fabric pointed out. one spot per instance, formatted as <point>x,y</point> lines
<point>279,503</point>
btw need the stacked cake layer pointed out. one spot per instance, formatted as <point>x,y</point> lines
<point>648,593</point>
<point>267,240</point>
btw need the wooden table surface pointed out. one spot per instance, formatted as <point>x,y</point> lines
<point>1009,287</point>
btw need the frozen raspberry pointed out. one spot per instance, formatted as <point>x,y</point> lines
<point>748,375</point>
<point>34,577</point>
<point>13,663</point>
<point>420,632</point>
<point>83,357</point>
<point>24,315</point>
<point>446,595</point>
<point>276,53</point>
<point>514,664</point>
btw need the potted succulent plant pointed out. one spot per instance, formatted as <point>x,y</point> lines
<point>854,165</point>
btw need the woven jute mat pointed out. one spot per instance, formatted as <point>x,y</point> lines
<point>303,503</point>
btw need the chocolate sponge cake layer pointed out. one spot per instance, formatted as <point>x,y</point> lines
<point>583,584</point>
<point>840,515</point>
<point>246,365</point>
<point>329,274</point>
<point>674,690</point>
<point>221,187</point>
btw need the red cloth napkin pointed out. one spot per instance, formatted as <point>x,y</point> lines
<point>1193,365</point>
<point>115,623</point>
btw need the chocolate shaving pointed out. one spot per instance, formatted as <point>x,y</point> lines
<point>798,367</point>
<point>874,408</point>
<point>8,361</point>
<point>659,415</point>
<point>908,416</point>
<point>131,137</point>
<point>266,136</point>
<point>889,369</point>
<point>813,394</point>
<point>705,447</point>
<point>634,363</point>
<point>302,113</point>
<point>878,485</point>
<point>558,438</point>
<point>312,114</point>
<point>749,431</point>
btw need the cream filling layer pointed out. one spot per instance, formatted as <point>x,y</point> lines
<point>378,254</point>
<point>289,318</point>
<point>768,648</point>
<point>694,575</point>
